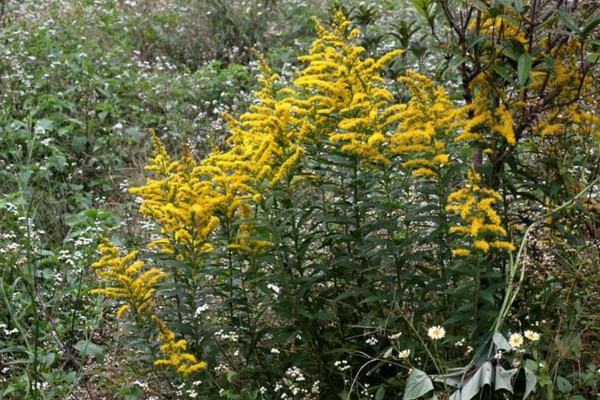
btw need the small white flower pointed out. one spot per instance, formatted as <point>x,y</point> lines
<point>404,353</point>
<point>274,288</point>
<point>396,336</point>
<point>200,310</point>
<point>436,332</point>
<point>388,352</point>
<point>372,341</point>
<point>515,340</point>
<point>531,335</point>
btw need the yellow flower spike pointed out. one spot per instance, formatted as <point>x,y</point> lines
<point>461,253</point>
<point>129,284</point>
<point>480,223</point>
<point>482,245</point>
<point>441,159</point>
<point>175,350</point>
<point>122,310</point>
<point>503,245</point>
<point>424,172</point>
<point>424,125</point>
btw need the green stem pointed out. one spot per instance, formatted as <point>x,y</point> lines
<point>433,359</point>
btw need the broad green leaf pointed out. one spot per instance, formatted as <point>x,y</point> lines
<point>45,124</point>
<point>483,377</point>
<point>563,384</point>
<point>380,395</point>
<point>500,342</point>
<point>531,365</point>
<point>455,377</point>
<point>88,348</point>
<point>79,143</point>
<point>504,378</point>
<point>231,375</point>
<point>417,385</point>
<point>524,68</point>
<point>530,382</point>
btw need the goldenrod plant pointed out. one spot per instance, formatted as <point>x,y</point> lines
<point>335,206</point>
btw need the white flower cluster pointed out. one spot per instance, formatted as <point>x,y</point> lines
<point>227,336</point>
<point>342,365</point>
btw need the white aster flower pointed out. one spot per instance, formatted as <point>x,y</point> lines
<point>404,353</point>
<point>515,340</point>
<point>436,332</point>
<point>531,335</point>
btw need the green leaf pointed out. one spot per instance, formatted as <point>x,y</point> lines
<point>531,365</point>
<point>455,377</point>
<point>524,68</point>
<point>88,348</point>
<point>503,72</point>
<point>380,395</point>
<point>568,20</point>
<point>231,375</point>
<point>61,162</point>
<point>79,143</point>
<point>590,25</point>
<point>563,385</point>
<point>500,342</point>
<point>504,378</point>
<point>45,124</point>
<point>417,385</point>
<point>48,359</point>
<point>530,382</point>
<point>483,377</point>
<point>134,133</point>
<point>519,5</point>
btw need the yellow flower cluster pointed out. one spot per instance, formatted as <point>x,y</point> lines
<point>425,125</point>
<point>183,363</point>
<point>338,93</point>
<point>557,80</point>
<point>492,109</point>
<point>479,221</point>
<point>131,285</point>
<point>346,97</point>
<point>579,117</point>
<point>135,288</point>
<point>486,117</point>
<point>172,199</point>
<point>348,100</point>
<point>501,27</point>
